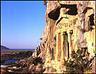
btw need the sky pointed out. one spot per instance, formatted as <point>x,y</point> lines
<point>22,23</point>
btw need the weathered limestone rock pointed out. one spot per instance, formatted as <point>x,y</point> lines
<point>70,25</point>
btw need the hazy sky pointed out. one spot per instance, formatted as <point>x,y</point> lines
<point>22,23</point>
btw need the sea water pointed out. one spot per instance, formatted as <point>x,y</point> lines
<point>9,61</point>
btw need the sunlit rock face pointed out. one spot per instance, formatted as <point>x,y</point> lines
<point>70,25</point>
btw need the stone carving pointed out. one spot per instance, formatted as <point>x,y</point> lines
<point>75,27</point>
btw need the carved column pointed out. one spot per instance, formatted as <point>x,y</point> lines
<point>69,40</point>
<point>59,46</point>
<point>65,45</point>
<point>56,57</point>
<point>62,46</point>
<point>71,37</point>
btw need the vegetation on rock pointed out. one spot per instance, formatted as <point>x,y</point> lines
<point>79,62</point>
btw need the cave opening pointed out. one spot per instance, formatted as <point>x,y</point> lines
<point>91,21</point>
<point>54,14</point>
<point>72,9</point>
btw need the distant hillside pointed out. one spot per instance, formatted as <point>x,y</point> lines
<point>4,48</point>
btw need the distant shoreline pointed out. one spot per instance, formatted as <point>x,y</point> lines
<point>7,48</point>
<point>21,49</point>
